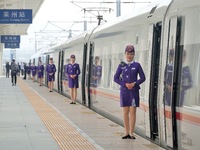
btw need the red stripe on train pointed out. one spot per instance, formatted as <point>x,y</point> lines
<point>179,116</point>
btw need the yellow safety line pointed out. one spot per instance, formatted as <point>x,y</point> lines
<point>67,137</point>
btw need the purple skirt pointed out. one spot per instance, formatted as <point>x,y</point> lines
<point>33,73</point>
<point>73,83</point>
<point>51,78</point>
<point>129,98</point>
<point>40,75</point>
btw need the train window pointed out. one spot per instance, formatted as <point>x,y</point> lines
<point>116,62</point>
<point>106,70</point>
<point>190,76</point>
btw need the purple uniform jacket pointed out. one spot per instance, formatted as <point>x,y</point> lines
<point>128,74</point>
<point>72,70</point>
<point>34,69</point>
<point>51,68</point>
<point>40,69</point>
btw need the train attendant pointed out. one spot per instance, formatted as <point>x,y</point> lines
<point>127,76</point>
<point>33,70</point>
<point>73,70</point>
<point>51,69</point>
<point>40,69</point>
<point>29,71</point>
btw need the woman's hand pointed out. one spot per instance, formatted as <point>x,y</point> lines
<point>130,85</point>
<point>72,76</point>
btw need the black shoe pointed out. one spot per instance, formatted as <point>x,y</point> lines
<point>13,84</point>
<point>72,103</point>
<point>132,137</point>
<point>126,137</point>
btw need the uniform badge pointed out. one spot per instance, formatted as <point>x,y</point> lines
<point>122,63</point>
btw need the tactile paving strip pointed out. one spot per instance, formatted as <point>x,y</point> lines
<point>64,133</point>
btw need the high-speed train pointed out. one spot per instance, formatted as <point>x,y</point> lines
<point>166,36</point>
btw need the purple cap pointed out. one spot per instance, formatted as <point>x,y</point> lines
<point>72,56</point>
<point>130,49</point>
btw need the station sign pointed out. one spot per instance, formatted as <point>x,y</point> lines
<point>11,45</point>
<point>10,39</point>
<point>15,16</point>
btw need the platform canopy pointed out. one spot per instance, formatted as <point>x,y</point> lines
<point>18,29</point>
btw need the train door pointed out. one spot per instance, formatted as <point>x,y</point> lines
<point>62,69</point>
<point>154,38</point>
<point>88,73</point>
<point>84,70</point>
<point>172,82</point>
<point>59,71</point>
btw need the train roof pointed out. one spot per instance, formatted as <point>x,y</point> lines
<point>151,13</point>
<point>120,24</point>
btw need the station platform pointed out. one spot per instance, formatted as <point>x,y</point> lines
<point>32,118</point>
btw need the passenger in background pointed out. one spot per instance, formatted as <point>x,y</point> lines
<point>14,68</point>
<point>73,70</point>
<point>19,69</point>
<point>96,76</point>
<point>40,69</point>
<point>29,71</point>
<point>51,69</point>
<point>22,68</point>
<point>7,69</point>
<point>25,71</point>
<point>127,76</point>
<point>33,70</point>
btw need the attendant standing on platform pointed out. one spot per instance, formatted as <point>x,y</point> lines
<point>40,69</point>
<point>127,76</point>
<point>73,70</point>
<point>7,70</point>
<point>33,70</point>
<point>51,69</point>
<point>14,68</point>
<point>29,71</point>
